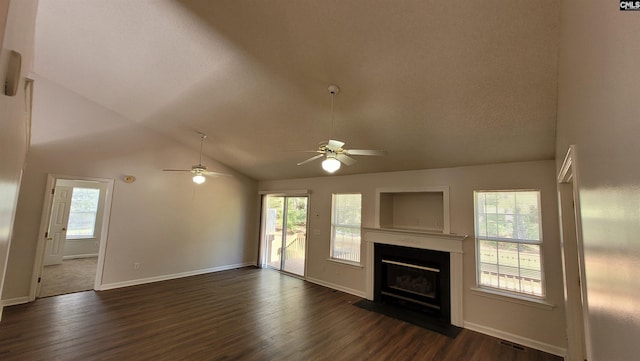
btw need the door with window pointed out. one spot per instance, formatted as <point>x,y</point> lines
<point>76,216</point>
<point>284,233</point>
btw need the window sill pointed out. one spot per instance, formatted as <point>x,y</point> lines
<point>346,263</point>
<point>513,298</point>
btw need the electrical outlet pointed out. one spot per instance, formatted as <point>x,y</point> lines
<point>136,265</point>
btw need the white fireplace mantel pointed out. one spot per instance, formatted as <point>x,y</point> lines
<point>449,243</point>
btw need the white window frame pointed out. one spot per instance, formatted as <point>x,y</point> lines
<point>539,242</point>
<point>335,224</point>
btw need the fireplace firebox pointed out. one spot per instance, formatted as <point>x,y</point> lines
<point>414,279</point>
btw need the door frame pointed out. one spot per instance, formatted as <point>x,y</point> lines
<point>38,265</point>
<point>261,246</point>
<point>568,182</point>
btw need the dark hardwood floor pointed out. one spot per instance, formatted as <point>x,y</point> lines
<point>243,314</point>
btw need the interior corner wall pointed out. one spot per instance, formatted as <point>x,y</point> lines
<point>599,112</point>
<point>163,221</point>
<point>544,328</point>
<point>17,27</point>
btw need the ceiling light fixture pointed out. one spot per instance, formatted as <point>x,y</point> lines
<point>332,150</point>
<point>199,179</point>
<point>331,164</point>
<point>199,171</point>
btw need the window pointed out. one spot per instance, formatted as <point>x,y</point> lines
<point>508,241</point>
<point>82,213</point>
<point>345,227</point>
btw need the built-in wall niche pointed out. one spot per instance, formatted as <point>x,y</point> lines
<point>424,209</point>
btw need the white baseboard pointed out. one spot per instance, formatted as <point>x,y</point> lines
<point>337,287</point>
<point>141,281</point>
<point>76,256</point>
<point>16,301</point>
<point>541,346</point>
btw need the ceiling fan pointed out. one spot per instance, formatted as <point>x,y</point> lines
<point>199,171</point>
<point>333,149</point>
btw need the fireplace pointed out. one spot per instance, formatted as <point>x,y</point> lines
<point>446,250</point>
<point>414,279</point>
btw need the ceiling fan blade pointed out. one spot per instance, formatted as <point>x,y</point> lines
<point>311,159</point>
<point>334,144</point>
<point>215,174</point>
<point>379,153</point>
<point>176,170</point>
<point>345,159</point>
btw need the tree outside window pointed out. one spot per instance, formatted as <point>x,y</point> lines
<point>345,227</point>
<point>82,214</point>
<point>509,241</point>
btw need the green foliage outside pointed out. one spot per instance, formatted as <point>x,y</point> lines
<point>514,215</point>
<point>82,212</point>
<point>347,209</point>
<point>296,213</point>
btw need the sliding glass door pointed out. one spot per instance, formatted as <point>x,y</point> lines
<point>284,233</point>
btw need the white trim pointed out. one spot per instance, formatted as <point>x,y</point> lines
<point>262,249</point>
<point>336,287</point>
<point>15,301</point>
<point>569,174</point>
<point>539,242</point>
<point>537,345</point>
<point>449,243</point>
<point>335,224</point>
<point>38,264</point>
<point>345,263</point>
<point>106,184</point>
<point>456,291</point>
<point>141,281</point>
<point>79,256</point>
<point>513,298</point>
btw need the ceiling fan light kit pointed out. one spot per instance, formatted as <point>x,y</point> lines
<point>198,179</point>
<point>331,164</point>
<point>332,150</point>
<point>199,171</point>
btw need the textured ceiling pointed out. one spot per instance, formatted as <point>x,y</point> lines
<point>435,83</point>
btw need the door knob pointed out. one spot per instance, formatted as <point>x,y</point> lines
<point>64,229</point>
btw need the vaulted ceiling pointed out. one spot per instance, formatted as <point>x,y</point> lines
<point>435,83</point>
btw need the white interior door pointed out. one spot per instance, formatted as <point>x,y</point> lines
<point>57,233</point>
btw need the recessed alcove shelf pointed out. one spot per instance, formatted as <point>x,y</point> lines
<point>418,209</point>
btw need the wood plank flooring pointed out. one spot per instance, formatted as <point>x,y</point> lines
<point>243,314</point>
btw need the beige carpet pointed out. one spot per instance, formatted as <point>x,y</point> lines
<point>72,275</point>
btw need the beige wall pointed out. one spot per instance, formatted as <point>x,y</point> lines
<point>599,112</point>
<point>163,221</point>
<point>544,327</point>
<point>18,30</point>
